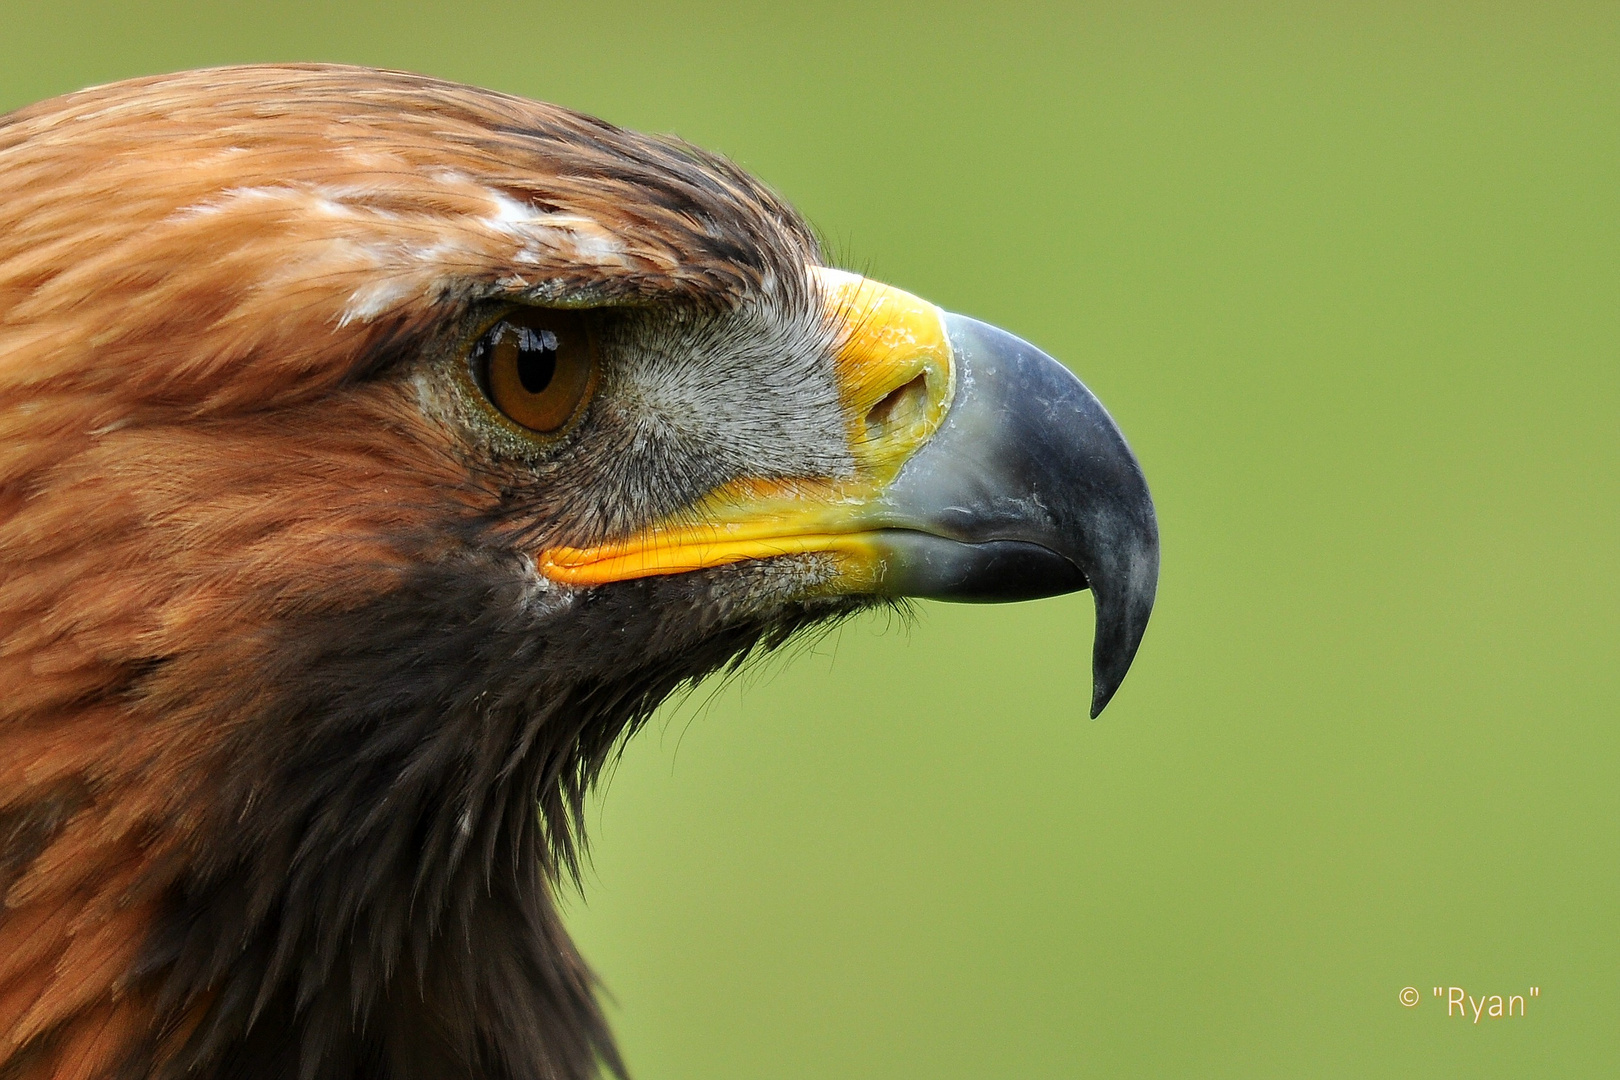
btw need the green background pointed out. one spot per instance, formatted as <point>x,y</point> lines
<point>1348,275</point>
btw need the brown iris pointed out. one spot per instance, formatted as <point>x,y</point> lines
<point>536,366</point>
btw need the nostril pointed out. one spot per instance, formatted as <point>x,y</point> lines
<point>898,408</point>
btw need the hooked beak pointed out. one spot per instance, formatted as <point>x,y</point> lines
<point>1028,489</point>
<point>986,472</point>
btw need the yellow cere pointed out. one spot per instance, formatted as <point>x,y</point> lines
<point>896,381</point>
<point>890,340</point>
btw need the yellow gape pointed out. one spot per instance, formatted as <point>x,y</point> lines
<point>896,382</point>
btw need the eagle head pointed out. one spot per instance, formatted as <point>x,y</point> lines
<point>376,453</point>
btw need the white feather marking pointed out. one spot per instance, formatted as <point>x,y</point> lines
<point>373,299</point>
<point>581,237</point>
<point>405,255</point>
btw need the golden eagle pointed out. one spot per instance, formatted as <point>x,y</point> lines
<point>376,453</point>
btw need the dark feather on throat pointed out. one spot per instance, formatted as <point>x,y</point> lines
<point>377,892</point>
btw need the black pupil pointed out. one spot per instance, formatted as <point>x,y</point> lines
<point>536,359</point>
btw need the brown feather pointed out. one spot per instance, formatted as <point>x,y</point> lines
<point>198,273</point>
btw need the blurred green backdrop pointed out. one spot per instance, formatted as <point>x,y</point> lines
<point>1349,277</point>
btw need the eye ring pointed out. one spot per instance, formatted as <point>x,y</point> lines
<point>536,366</point>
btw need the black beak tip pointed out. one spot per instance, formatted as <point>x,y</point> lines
<point>1110,660</point>
<point>1124,601</point>
<point>1104,682</point>
<point>1107,672</point>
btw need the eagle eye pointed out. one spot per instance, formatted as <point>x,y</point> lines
<point>536,366</point>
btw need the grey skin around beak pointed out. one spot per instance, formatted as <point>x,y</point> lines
<point>1027,489</point>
